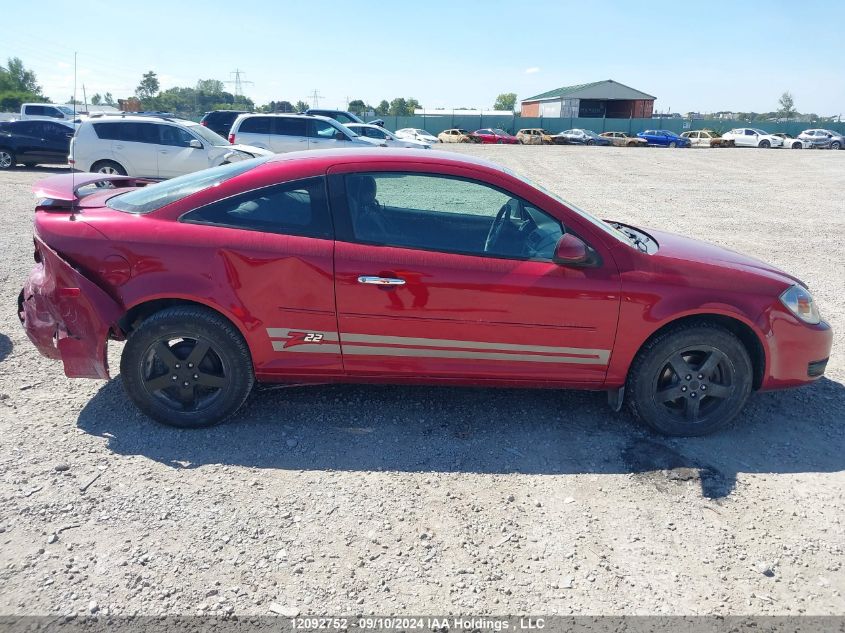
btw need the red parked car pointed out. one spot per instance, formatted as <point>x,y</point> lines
<point>495,135</point>
<point>400,266</point>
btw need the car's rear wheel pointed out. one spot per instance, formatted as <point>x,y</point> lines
<point>590,142</point>
<point>797,146</point>
<point>690,380</point>
<point>765,144</point>
<point>7,158</point>
<point>187,366</point>
<point>108,167</point>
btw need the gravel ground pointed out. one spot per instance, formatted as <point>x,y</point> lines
<point>350,499</point>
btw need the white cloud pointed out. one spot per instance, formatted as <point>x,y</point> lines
<point>532,70</point>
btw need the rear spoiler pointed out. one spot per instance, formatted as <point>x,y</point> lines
<point>65,187</point>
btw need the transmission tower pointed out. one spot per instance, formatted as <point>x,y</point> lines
<point>238,82</point>
<point>315,98</point>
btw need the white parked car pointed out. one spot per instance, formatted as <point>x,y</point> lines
<point>824,138</point>
<point>378,133</point>
<point>791,142</point>
<point>416,134</point>
<point>49,111</point>
<point>151,147</point>
<point>295,132</point>
<point>753,137</point>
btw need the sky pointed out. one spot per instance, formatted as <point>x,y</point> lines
<point>738,56</point>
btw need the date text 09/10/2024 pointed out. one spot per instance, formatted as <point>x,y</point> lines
<point>316,623</point>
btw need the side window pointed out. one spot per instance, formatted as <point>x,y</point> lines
<point>256,125</point>
<point>749,132</point>
<point>174,136</point>
<point>53,112</point>
<point>293,208</point>
<point>29,128</point>
<point>321,129</point>
<point>290,126</point>
<point>34,110</point>
<point>374,133</point>
<point>106,131</point>
<point>441,213</point>
<point>56,131</point>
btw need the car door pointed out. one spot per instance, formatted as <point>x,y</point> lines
<point>27,136</point>
<point>135,146</point>
<point>56,142</point>
<point>273,248</point>
<point>289,134</point>
<point>425,288</point>
<point>175,154</point>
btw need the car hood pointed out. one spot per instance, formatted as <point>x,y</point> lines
<point>709,259</point>
<point>249,149</point>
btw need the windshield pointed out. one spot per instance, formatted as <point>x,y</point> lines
<point>423,132</point>
<point>601,224</point>
<point>501,132</point>
<point>759,131</point>
<point>66,110</point>
<point>154,197</point>
<point>208,135</point>
<point>346,130</point>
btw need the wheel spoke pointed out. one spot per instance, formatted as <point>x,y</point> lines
<point>210,380</point>
<point>710,363</point>
<point>679,366</point>
<point>670,394</point>
<point>198,353</point>
<point>691,410</point>
<point>718,391</point>
<point>160,382</point>
<point>165,354</point>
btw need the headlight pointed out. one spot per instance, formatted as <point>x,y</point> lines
<point>801,304</point>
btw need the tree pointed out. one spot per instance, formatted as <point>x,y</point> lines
<point>358,106</point>
<point>383,108</point>
<point>787,106</point>
<point>398,107</point>
<point>210,86</point>
<point>301,106</point>
<point>108,99</point>
<point>17,78</point>
<point>96,99</point>
<point>505,101</point>
<point>278,106</point>
<point>412,105</point>
<point>149,86</point>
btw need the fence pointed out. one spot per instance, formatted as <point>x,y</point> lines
<point>436,123</point>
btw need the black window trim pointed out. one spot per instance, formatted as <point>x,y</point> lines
<point>344,231</point>
<point>332,228</point>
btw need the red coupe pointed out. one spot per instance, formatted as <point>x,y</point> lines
<point>495,135</point>
<point>400,266</point>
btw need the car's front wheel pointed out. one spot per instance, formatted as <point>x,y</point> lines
<point>187,366</point>
<point>690,380</point>
<point>673,144</point>
<point>835,145</point>
<point>765,144</point>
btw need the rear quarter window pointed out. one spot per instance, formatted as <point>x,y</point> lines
<point>256,125</point>
<point>292,208</point>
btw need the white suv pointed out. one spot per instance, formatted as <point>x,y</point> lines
<point>294,132</point>
<point>151,147</point>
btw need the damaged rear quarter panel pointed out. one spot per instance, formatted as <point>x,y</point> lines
<point>64,323</point>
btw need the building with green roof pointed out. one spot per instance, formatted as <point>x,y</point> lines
<point>598,99</point>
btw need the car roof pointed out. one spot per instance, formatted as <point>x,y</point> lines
<point>286,115</point>
<point>383,154</point>
<point>137,118</point>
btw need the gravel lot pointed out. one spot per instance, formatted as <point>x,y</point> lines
<point>349,499</point>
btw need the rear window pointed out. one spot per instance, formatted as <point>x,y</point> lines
<point>128,131</point>
<point>256,125</point>
<point>154,197</point>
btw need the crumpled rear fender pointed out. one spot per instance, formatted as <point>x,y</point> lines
<point>67,316</point>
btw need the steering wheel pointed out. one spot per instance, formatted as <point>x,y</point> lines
<point>513,225</point>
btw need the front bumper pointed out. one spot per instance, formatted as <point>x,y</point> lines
<point>66,316</point>
<point>798,352</point>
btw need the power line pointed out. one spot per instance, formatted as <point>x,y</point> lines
<point>315,98</point>
<point>239,83</point>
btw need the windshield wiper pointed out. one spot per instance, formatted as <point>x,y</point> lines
<point>636,240</point>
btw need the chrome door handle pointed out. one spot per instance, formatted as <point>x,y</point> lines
<point>381,281</point>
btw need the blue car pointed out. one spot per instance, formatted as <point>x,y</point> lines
<point>664,138</point>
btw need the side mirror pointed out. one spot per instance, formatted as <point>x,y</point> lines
<point>571,251</point>
<point>194,143</point>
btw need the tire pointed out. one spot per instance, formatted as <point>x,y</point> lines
<point>797,146</point>
<point>218,381</point>
<point>7,159</point>
<point>835,145</point>
<point>108,167</point>
<point>765,144</point>
<point>590,142</point>
<point>670,365</point>
<point>673,144</point>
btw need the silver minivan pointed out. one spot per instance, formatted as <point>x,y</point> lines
<point>294,132</point>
